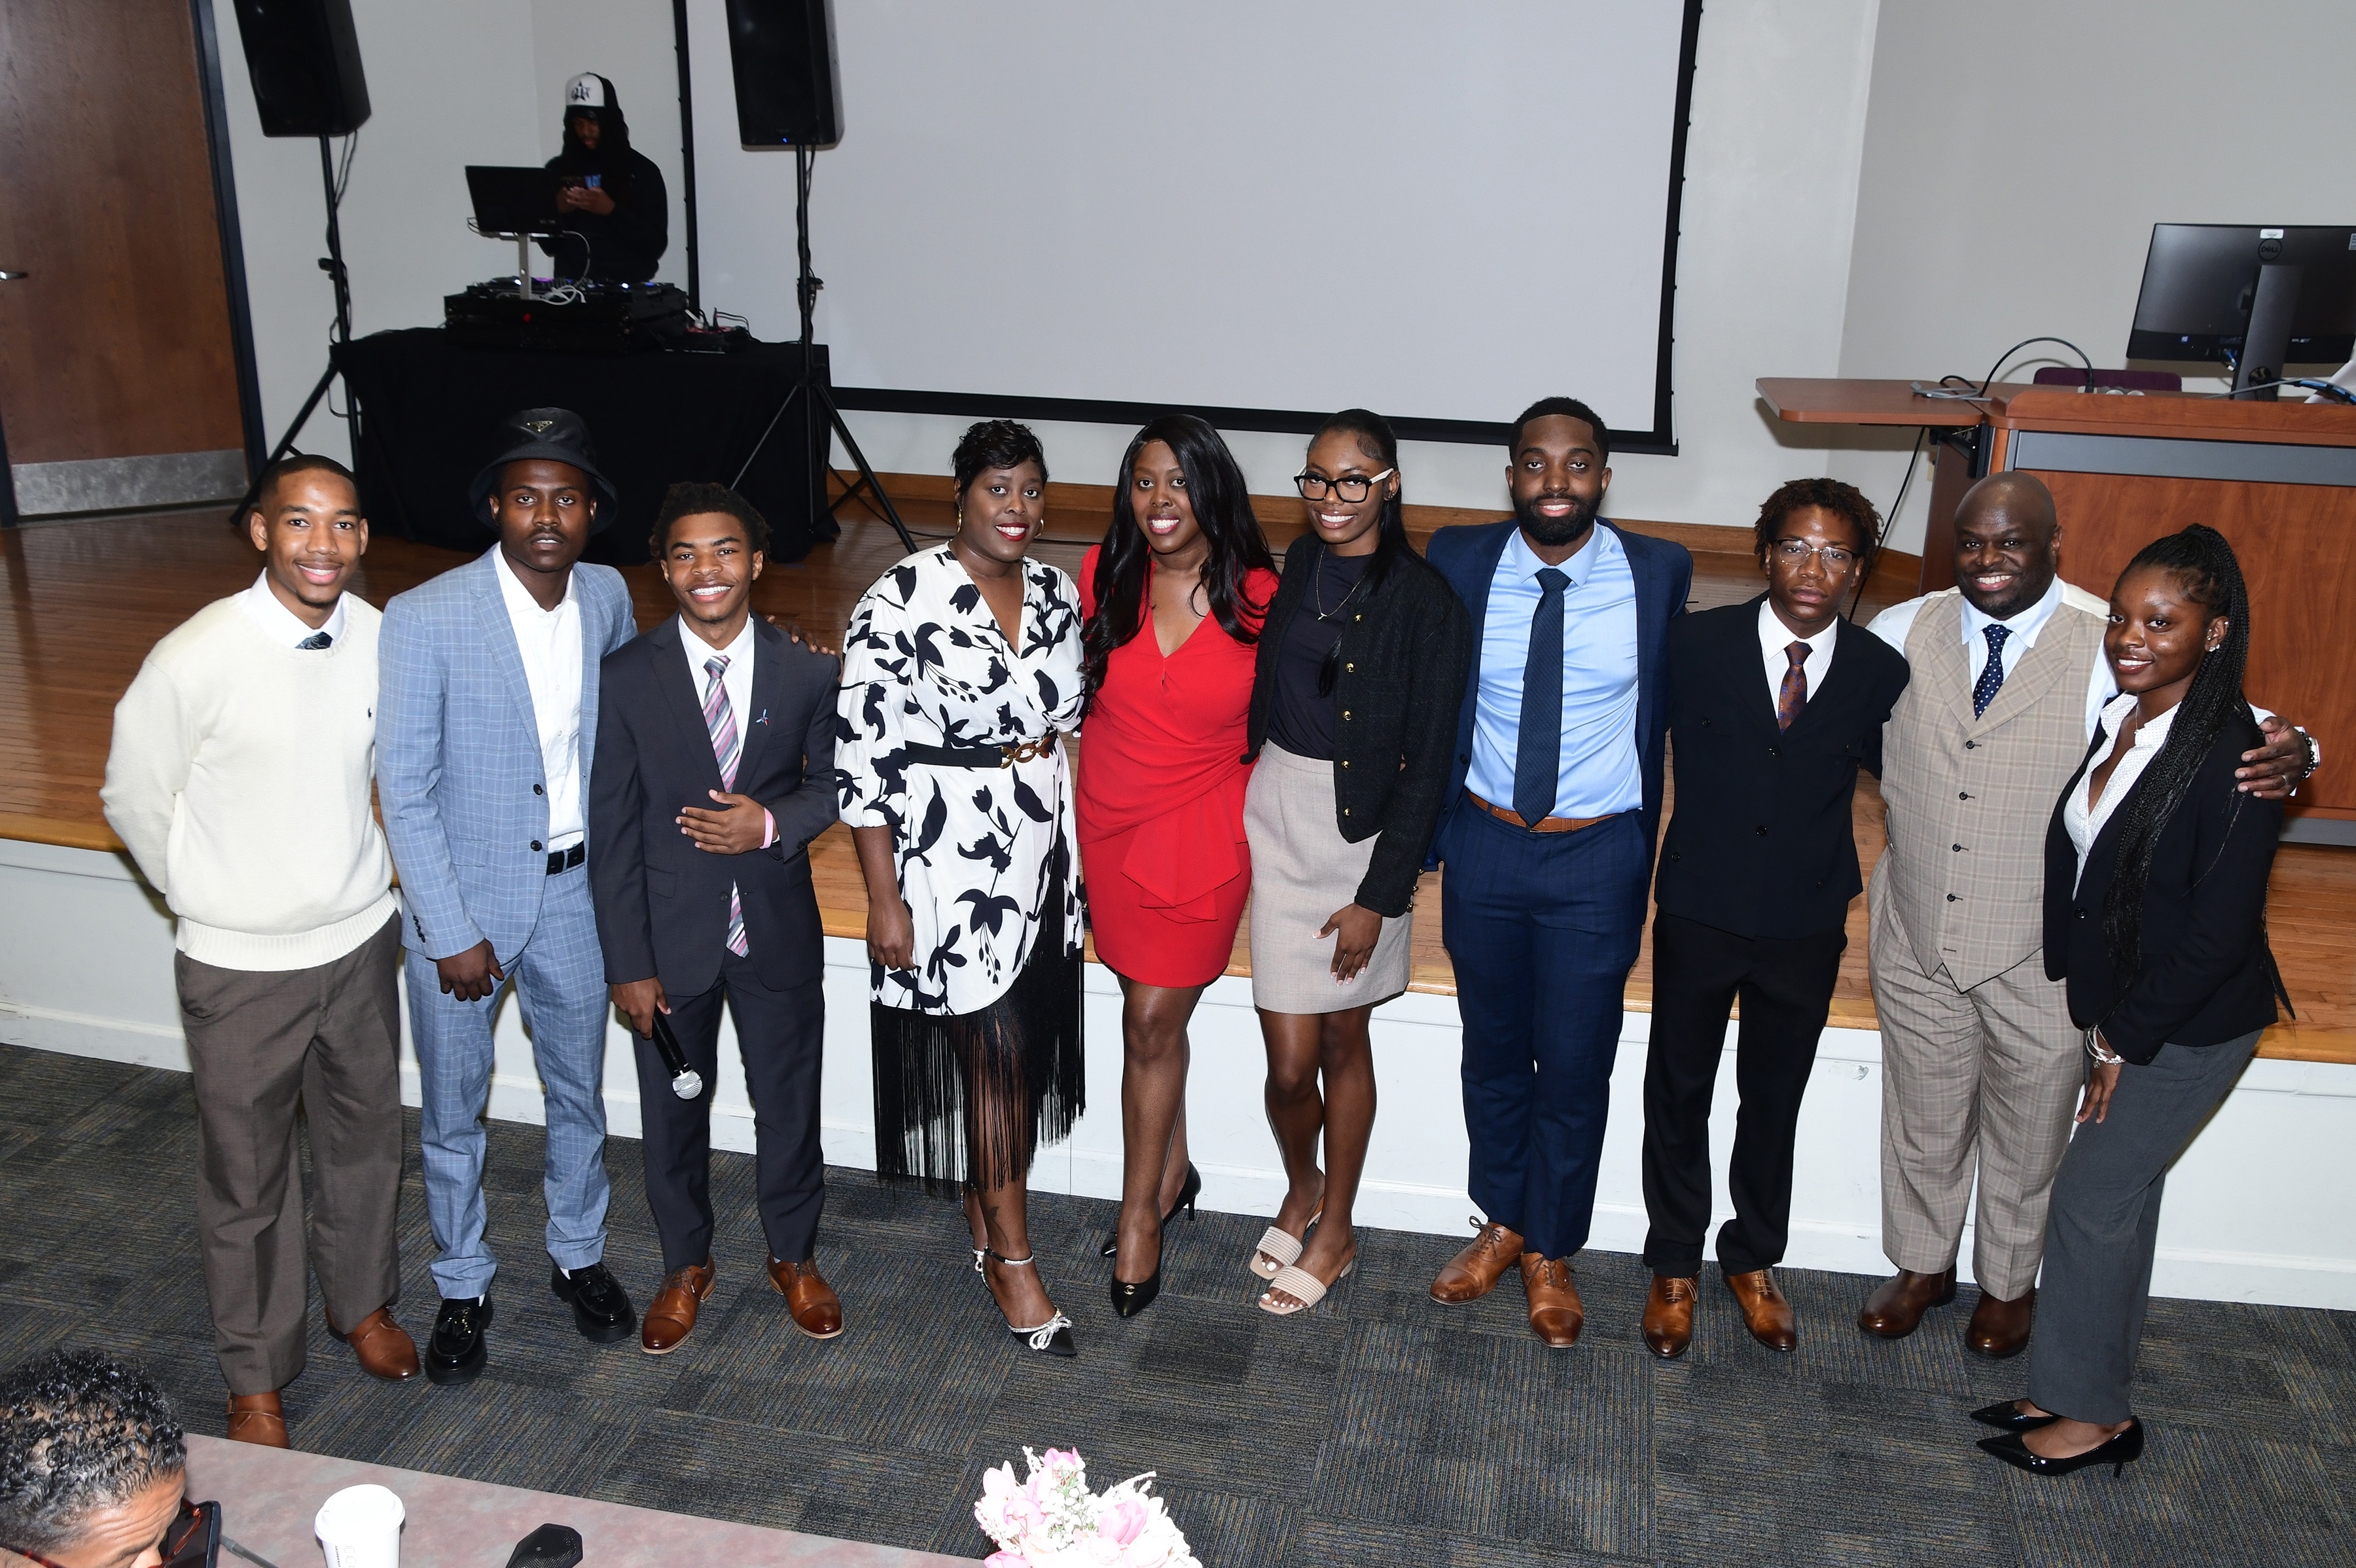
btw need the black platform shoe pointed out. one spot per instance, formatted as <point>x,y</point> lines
<point>1186,1196</point>
<point>600,1308</point>
<point>2008,1417</point>
<point>456,1352</point>
<point>2121,1449</point>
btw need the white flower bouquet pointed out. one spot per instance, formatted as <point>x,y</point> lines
<point>1051,1520</point>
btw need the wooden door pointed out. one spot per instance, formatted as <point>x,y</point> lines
<point>118,371</point>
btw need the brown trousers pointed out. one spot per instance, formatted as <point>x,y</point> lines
<point>260,1041</point>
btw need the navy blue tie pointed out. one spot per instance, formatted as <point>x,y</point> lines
<point>1538,757</point>
<point>1984,690</point>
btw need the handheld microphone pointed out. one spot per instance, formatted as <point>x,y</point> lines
<point>685,1081</point>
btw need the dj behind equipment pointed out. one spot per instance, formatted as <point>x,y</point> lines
<point>599,209</point>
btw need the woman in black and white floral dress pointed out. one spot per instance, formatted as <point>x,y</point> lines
<point>960,666</point>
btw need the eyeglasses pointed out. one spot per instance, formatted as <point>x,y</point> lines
<point>1349,487</point>
<point>1794,552</point>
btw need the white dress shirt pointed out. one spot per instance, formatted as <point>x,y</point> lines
<point>1775,637</point>
<point>550,641</point>
<point>2082,818</point>
<point>737,682</point>
<point>270,613</point>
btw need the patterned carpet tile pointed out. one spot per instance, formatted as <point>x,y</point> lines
<point>1378,1428</point>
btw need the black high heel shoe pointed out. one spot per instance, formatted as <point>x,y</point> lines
<point>1129,1300</point>
<point>2120,1450</point>
<point>1053,1337</point>
<point>1186,1196</point>
<point>2009,1417</point>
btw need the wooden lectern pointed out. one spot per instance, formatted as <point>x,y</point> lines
<point>2276,478</point>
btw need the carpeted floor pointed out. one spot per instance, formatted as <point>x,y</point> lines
<point>1378,1429</point>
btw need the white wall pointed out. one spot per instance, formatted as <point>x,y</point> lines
<point>2018,153</point>
<point>2225,1235</point>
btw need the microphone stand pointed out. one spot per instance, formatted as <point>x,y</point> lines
<point>332,264</point>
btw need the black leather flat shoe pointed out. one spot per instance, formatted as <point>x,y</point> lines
<point>456,1352</point>
<point>2007,1417</point>
<point>1186,1196</point>
<point>600,1308</point>
<point>1129,1300</point>
<point>2124,1448</point>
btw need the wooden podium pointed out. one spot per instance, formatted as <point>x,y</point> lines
<point>2276,478</point>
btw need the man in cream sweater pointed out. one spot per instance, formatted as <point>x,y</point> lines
<point>260,710</point>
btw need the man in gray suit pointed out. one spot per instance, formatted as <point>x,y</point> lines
<point>486,722</point>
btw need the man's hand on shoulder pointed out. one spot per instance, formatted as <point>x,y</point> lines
<point>2276,769</point>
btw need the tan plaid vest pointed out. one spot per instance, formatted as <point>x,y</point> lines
<point>1970,798</point>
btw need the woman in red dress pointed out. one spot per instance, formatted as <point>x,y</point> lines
<point>1173,598</point>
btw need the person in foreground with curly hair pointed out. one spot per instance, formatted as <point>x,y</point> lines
<point>1773,705</point>
<point>92,1464</point>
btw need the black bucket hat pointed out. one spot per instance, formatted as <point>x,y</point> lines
<point>557,435</point>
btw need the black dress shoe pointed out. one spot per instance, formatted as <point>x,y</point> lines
<point>456,1352</point>
<point>601,1309</point>
<point>1129,1300</point>
<point>1187,1194</point>
<point>2122,1448</point>
<point>2008,1417</point>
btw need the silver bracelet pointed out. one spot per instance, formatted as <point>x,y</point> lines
<point>2094,1048</point>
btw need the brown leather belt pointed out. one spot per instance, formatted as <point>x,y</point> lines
<point>1548,825</point>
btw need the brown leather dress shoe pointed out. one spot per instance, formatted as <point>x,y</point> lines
<point>1895,1309</point>
<point>1556,1313</point>
<point>1474,1272</point>
<point>1764,1311</point>
<point>670,1316</point>
<point>1668,1318</point>
<point>383,1347</point>
<point>257,1419</point>
<point>1999,1329</point>
<point>816,1311</point>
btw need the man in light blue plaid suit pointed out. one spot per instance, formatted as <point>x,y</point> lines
<point>486,720</point>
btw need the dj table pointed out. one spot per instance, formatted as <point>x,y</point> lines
<point>432,409</point>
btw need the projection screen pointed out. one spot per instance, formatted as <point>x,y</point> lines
<point>1092,210</point>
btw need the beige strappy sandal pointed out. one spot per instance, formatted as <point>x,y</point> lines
<point>1278,1248</point>
<point>1301,1285</point>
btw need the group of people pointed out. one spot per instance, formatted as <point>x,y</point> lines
<point>2083,811</point>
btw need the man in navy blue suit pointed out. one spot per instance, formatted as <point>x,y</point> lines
<point>1548,842</point>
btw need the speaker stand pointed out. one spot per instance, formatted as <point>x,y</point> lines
<point>821,399</point>
<point>332,264</point>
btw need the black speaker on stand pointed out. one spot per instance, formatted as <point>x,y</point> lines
<point>304,58</point>
<point>781,53</point>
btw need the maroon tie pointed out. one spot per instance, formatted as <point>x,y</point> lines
<point>1794,694</point>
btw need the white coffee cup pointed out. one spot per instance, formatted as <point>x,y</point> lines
<point>360,1527</point>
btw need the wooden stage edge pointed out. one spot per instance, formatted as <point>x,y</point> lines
<point>62,666</point>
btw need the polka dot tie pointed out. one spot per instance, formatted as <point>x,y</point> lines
<point>1984,690</point>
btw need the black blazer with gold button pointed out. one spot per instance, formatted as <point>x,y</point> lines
<point>1760,841</point>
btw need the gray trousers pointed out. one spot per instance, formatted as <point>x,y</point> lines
<point>260,1041</point>
<point>2103,1221</point>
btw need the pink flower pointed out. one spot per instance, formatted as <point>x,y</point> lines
<point>1122,1522</point>
<point>1005,1560</point>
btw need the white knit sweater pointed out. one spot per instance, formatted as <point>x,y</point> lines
<point>239,776</point>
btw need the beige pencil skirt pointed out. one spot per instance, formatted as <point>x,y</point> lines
<point>1303,872</point>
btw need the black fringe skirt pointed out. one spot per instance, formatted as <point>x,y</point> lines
<point>963,1100</point>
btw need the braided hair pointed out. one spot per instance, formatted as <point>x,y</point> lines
<point>2206,569</point>
<point>1221,506</point>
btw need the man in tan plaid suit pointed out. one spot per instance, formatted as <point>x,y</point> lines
<point>1980,1064</point>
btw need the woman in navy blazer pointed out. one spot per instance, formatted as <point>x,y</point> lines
<point>2155,913</point>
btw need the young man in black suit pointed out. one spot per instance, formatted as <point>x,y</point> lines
<point>1773,705</point>
<point>714,769</point>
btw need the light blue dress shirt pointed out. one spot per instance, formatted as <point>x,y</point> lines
<point>1600,774</point>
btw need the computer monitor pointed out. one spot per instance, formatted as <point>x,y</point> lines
<point>514,201</point>
<point>2254,297</point>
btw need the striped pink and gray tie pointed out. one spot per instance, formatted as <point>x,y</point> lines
<point>720,721</point>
